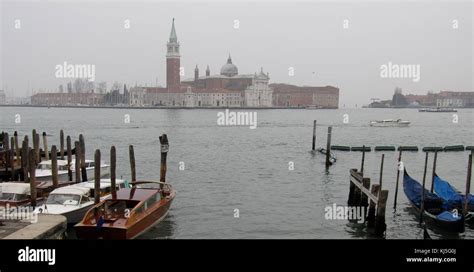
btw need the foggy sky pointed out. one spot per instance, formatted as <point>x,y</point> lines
<point>274,35</point>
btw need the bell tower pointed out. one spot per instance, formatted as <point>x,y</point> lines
<point>172,61</point>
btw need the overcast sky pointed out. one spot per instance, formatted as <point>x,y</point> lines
<point>274,35</point>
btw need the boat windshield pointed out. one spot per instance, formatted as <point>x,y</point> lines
<point>7,196</point>
<point>13,197</point>
<point>63,199</point>
<point>43,166</point>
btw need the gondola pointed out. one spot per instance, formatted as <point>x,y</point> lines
<point>454,197</point>
<point>436,212</point>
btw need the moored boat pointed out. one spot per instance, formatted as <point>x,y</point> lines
<point>44,171</point>
<point>134,211</point>
<point>390,123</point>
<point>454,197</point>
<point>436,211</point>
<point>75,200</point>
<point>14,194</point>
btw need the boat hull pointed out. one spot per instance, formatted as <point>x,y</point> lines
<point>91,232</point>
<point>64,177</point>
<point>442,218</point>
<point>375,124</point>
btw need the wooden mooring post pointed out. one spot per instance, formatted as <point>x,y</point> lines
<point>164,153</point>
<point>77,164</point>
<point>32,179</point>
<point>399,168</point>
<point>97,177</point>
<point>12,157</point>
<point>83,157</point>
<point>314,136</point>
<point>433,174</point>
<point>328,147</point>
<point>54,166</point>
<point>375,199</point>
<point>36,147</point>
<point>423,190</point>
<point>24,158</point>
<point>363,160</point>
<point>69,158</point>
<point>17,148</point>
<point>468,185</point>
<point>61,144</point>
<point>113,163</point>
<point>45,143</point>
<point>132,163</point>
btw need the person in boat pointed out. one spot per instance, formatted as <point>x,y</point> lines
<point>99,217</point>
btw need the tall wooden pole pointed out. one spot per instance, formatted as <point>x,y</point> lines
<point>32,170</point>
<point>398,177</point>
<point>434,171</point>
<point>132,163</point>
<point>381,171</point>
<point>24,158</point>
<point>314,136</point>
<point>468,184</point>
<point>61,144</point>
<point>6,146</point>
<point>77,164</point>
<point>83,157</point>
<point>113,163</point>
<point>17,148</point>
<point>164,153</point>
<point>328,147</point>
<point>97,177</point>
<point>54,166</point>
<point>423,190</point>
<point>37,149</point>
<point>12,157</point>
<point>363,160</point>
<point>69,158</point>
<point>45,143</point>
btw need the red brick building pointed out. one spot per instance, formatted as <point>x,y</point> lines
<point>286,95</point>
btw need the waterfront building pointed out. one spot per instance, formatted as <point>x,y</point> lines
<point>3,98</point>
<point>226,89</point>
<point>286,95</point>
<point>67,99</point>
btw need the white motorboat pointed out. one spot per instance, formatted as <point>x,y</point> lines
<point>390,123</point>
<point>75,200</point>
<point>44,172</point>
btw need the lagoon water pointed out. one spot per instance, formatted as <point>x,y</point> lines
<point>235,169</point>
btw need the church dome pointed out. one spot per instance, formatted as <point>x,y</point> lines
<point>229,69</point>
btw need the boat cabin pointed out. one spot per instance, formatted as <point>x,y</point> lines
<point>14,193</point>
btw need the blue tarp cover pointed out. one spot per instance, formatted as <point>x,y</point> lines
<point>448,193</point>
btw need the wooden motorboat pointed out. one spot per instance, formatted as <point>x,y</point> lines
<point>134,211</point>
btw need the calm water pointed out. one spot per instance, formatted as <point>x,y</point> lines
<point>229,168</point>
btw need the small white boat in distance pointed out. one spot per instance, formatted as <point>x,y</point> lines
<point>44,172</point>
<point>75,200</point>
<point>390,123</point>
